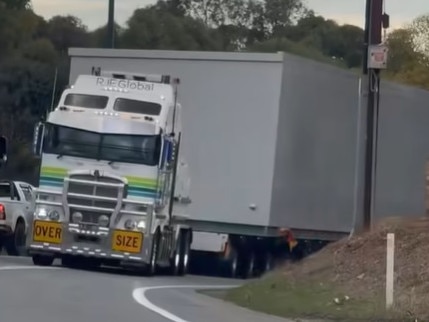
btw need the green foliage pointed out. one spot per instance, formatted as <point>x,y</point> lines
<point>409,53</point>
<point>152,28</point>
<point>32,49</point>
<point>15,4</point>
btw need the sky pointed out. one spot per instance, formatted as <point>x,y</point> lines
<point>93,13</point>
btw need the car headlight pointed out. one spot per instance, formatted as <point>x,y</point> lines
<point>54,215</point>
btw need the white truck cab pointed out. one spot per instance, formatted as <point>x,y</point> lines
<point>107,176</point>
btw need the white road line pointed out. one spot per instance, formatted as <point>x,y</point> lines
<point>14,257</point>
<point>22,267</point>
<point>139,295</point>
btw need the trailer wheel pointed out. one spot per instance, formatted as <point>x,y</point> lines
<point>15,243</point>
<point>41,260</point>
<point>233,264</point>
<point>175,260</point>
<point>268,263</point>
<point>152,267</point>
<point>249,267</point>
<point>185,251</point>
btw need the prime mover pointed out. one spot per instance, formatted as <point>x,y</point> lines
<point>107,175</point>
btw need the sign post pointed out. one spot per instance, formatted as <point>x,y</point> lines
<point>390,272</point>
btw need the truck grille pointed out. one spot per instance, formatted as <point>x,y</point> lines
<point>91,216</point>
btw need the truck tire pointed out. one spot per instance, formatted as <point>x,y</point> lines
<point>15,243</point>
<point>268,263</point>
<point>175,260</point>
<point>249,267</point>
<point>233,264</point>
<point>151,269</point>
<point>185,251</point>
<point>41,260</point>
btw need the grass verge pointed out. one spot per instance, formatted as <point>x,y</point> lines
<point>276,295</point>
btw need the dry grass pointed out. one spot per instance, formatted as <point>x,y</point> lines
<point>356,268</point>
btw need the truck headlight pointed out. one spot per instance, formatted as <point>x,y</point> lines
<point>77,217</point>
<point>130,224</point>
<point>141,224</point>
<point>41,213</point>
<point>103,220</point>
<point>54,215</point>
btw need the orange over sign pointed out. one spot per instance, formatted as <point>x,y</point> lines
<point>47,232</point>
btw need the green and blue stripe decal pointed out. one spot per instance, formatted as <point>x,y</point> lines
<point>137,186</point>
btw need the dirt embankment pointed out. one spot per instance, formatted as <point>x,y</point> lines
<point>354,269</point>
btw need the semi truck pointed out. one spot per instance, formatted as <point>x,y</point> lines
<point>271,160</point>
<point>231,176</point>
<point>109,157</point>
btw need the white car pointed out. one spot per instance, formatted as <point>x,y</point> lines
<point>16,214</point>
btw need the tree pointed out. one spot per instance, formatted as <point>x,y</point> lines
<point>151,28</point>
<point>98,36</point>
<point>407,63</point>
<point>66,32</point>
<point>420,34</point>
<point>402,52</point>
<point>175,7</point>
<point>280,14</point>
<point>16,4</point>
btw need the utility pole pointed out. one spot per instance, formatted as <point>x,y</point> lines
<point>110,35</point>
<point>375,58</point>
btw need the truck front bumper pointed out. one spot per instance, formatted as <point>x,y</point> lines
<point>91,243</point>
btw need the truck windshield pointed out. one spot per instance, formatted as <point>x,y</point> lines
<point>135,106</point>
<point>88,101</point>
<point>141,149</point>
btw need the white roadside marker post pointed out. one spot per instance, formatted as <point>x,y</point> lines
<point>390,256</point>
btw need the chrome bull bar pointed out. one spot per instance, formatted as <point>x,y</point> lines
<point>116,212</point>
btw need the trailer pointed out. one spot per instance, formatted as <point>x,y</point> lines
<point>273,143</point>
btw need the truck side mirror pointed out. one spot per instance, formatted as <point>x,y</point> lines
<point>3,150</point>
<point>39,130</point>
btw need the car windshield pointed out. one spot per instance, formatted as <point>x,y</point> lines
<point>141,149</point>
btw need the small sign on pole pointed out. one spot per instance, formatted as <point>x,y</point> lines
<point>377,56</point>
<point>390,256</point>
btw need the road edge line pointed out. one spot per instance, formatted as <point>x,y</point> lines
<point>24,267</point>
<point>139,295</point>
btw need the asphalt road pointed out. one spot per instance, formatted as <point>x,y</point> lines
<point>36,294</point>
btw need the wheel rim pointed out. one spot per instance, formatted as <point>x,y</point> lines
<point>176,260</point>
<point>251,266</point>
<point>234,265</point>
<point>154,255</point>
<point>176,263</point>
<point>186,258</point>
<point>268,263</point>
